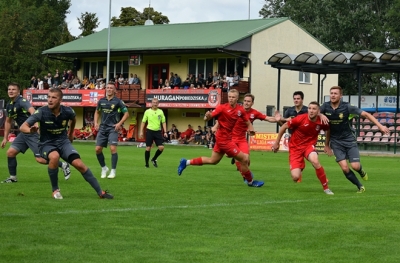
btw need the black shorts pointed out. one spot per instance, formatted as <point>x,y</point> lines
<point>65,149</point>
<point>155,136</point>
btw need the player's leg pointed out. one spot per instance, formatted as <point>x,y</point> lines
<point>101,142</point>
<point>113,141</point>
<point>243,158</point>
<point>149,142</point>
<point>243,147</point>
<point>354,159</point>
<point>19,145</point>
<point>214,159</point>
<point>53,157</point>
<point>159,141</point>
<point>312,157</point>
<point>69,153</point>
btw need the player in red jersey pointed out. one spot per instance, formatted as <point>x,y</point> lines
<point>239,134</point>
<point>305,129</point>
<point>228,114</point>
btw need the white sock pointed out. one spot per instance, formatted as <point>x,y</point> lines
<point>187,162</point>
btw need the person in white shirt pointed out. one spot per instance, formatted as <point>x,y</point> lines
<point>40,83</point>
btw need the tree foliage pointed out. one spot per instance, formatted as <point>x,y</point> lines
<point>28,28</point>
<point>131,17</point>
<point>88,22</point>
<point>347,26</point>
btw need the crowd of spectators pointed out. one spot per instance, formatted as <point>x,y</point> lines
<point>200,136</point>
<point>215,81</point>
<point>68,80</point>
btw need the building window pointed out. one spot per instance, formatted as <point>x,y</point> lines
<point>200,66</point>
<point>93,68</point>
<point>270,110</point>
<point>304,77</point>
<point>117,68</point>
<point>225,66</point>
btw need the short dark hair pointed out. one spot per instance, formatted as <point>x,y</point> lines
<point>15,84</point>
<point>56,90</point>
<point>338,88</point>
<point>299,93</point>
<point>314,103</point>
<point>249,95</point>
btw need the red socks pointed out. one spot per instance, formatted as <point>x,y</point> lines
<point>196,161</point>
<point>322,177</point>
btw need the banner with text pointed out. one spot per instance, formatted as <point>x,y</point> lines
<point>83,98</point>
<point>264,141</point>
<point>180,98</point>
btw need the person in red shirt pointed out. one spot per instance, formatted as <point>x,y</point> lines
<point>228,114</point>
<point>305,129</point>
<point>239,134</point>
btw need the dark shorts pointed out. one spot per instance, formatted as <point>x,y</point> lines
<point>105,137</point>
<point>24,142</point>
<point>65,149</point>
<point>155,136</point>
<point>345,151</point>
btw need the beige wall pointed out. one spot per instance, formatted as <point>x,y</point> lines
<point>287,38</point>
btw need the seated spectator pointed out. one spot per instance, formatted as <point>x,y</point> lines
<point>200,79</point>
<point>197,82</point>
<point>167,85</point>
<point>215,81</point>
<point>192,86</point>
<point>76,82</point>
<point>186,83</point>
<point>160,84</point>
<point>235,79</point>
<point>121,80</point>
<point>136,80</point>
<point>173,133</point>
<point>130,81</point>
<point>177,81</point>
<point>85,81</point>
<point>186,135</point>
<point>209,80</point>
<point>40,84</point>
<point>198,135</point>
<point>210,138</point>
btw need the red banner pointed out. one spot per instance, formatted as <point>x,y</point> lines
<point>83,98</point>
<point>184,98</point>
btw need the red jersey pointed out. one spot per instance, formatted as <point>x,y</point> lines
<point>304,131</point>
<point>227,118</point>
<point>240,130</point>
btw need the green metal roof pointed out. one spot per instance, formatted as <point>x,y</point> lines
<point>204,35</point>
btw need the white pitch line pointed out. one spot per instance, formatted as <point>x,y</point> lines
<point>155,208</point>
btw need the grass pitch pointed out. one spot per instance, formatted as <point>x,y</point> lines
<point>206,215</point>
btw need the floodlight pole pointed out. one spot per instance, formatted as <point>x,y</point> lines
<point>108,41</point>
<point>249,9</point>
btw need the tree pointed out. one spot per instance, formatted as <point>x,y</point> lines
<point>88,22</point>
<point>131,17</point>
<point>28,28</point>
<point>344,25</point>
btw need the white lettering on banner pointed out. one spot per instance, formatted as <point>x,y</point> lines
<point>180,97</point>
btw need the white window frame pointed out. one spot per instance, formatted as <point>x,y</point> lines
<point>305,77</point>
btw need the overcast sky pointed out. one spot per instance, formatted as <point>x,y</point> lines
<point>177,11</point>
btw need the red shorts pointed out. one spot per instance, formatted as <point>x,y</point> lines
<point>243,145</point>
<point>296,157</point>
<point>226,147</point>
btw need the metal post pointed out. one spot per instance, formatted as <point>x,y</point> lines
<point>278,96</point>
<point>108,42</point>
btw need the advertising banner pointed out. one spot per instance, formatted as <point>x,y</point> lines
<point>264,141</point>
<point>181,98</point>
<point>83,98</point>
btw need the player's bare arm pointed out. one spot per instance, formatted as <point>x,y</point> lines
<point>275,146</point>
<point>72,124</point>
<point>7,129</point>
<point>26,128</point>
<point>250,128</point>
<point>327,148</point>
<point>96,119</point>
<point>118,126</point>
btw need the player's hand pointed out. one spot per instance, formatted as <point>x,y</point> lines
<point>96,127</point>
<point>251,133</point>
<point>275,147</point>
<point>141,136</point>
<point>207,115</point>
<point>328,150</point>
<point>165,135</point>
<point>117,127</point>
<point>3,143</point>
<point>324,119</point>
<point>34,129</point>
<point>384,129</point>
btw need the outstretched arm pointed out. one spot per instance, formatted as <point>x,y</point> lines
<point>282,130</point>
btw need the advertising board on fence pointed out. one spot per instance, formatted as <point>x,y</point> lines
<point>83,98</point>
<point>264,141</point>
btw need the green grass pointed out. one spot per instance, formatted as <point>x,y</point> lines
<point>206,215</point>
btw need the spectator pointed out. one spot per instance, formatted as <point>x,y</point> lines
<point>34,82</point>
<point>197,135</point>
<point>177,81</point>
<point>185,136</point>
<point>171,78</point>
<point>215,80</point>
<point>209,80</point>
<point>136,80</point>
<point>173,133</point>
<point>49,80</point>
<point>40,84</point>
<point>56,79</point>
<point>121,80</point>
<point>130,81</point>
<point>236,79</point>
<point>160,84</point>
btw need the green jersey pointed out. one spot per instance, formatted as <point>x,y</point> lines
<point>154,119</point>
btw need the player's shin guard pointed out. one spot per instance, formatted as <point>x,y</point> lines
<point>352,178</point>
<point>100,158</point>
<point>12,166</point>
<point>247,175</point>
<point>89,177</point>
<point>322,177</point>
<point>196,161</point>
<point>114,160</point>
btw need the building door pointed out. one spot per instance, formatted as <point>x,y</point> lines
<point>157,72</point>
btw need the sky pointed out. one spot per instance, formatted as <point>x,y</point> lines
<point>177,11</point>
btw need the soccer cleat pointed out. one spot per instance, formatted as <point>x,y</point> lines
<point>57,194</point>
<point>361,190</point>
<point>182,166</point>
<point>66,170</point>
<point>106,195</point>
<point>233,161</point>
<point>154,162</point>
<point>300,179</point>
<point>9,181</point>
<point>256,183</point>
<point>328,192</point>
<point>104,171</point>
<point>112,174</point>
<point>146,165</point>
<point>364,175</point>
